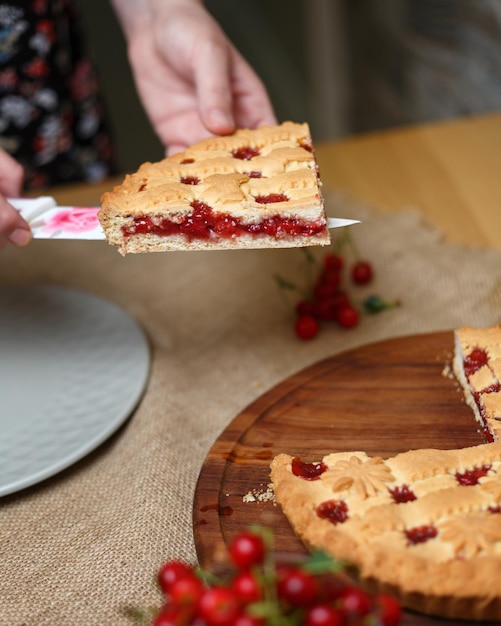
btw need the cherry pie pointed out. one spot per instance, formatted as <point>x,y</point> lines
<point>424,524</point>
<point>253,189</point>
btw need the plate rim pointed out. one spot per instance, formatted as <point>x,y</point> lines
<point>136,391</point>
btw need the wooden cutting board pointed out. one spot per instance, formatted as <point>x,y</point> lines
<point>382,398</point>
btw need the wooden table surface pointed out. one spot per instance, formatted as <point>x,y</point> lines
<point>449,170</point>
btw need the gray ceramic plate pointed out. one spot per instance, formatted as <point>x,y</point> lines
<point>73,367</point>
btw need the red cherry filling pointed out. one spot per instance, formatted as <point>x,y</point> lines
<point>486,431</point>
<point>272,197</point>
<point>402,494</point>
<point>226,227</point>
<point>470,477</point>
<point>204,223</point>
<point>494,388</point>
<point>306,145</point>
<point>471,364</point>
<point>190,180</point>
<point>142,187</point>
<point>246,153</point>
<point>474,361</point>
<point>254,174</point>
<point>336,511</point>
<point>420,534</point>
<point>308,471</point>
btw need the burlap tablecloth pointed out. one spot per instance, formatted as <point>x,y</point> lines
<point>81,546</point>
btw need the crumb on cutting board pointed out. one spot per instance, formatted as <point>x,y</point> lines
<point>260,495</point>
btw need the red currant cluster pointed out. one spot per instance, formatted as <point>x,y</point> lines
<point>326,298</point>
<point>329,302</point>
<point>261,592</point>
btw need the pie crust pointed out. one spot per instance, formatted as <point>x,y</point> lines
<point>424,524</point>
<point>253,189</point>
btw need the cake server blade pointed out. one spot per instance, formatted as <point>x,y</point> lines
<point>339,222</point>
<point>48,220</point>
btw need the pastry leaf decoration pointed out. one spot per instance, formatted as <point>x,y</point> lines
<point>472,534</point>
<point>366,477</point>
<point>493,486</point>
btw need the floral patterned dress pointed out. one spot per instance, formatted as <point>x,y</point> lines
<point>51,114</point>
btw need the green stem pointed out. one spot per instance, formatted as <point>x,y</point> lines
<point>312,266</point>
<point>208,577</point>
<point>286,285</point>
<point>346,238</point>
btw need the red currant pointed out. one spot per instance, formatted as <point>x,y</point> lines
<point>306,307</point>
<point>324,615</point>
<point>297,587</point>
<point>306,327</point>
<point>333,261</point>
<point>170,616</point>
<point>324,290</point>
<point>218,606</point>
<point>327,308</point>
<point>248,620</point>
<point>186,591</point>
<point>171,572</point>
<point>362,272</point>
<point>247,549</point>
<point>331,276</point>
<point>355,601</point>
<point>347,316</point>
<point>331,587</point>
<point>246,587</point>
<point>390,611</point>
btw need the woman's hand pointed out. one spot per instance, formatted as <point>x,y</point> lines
<point>13,228</point>
<point>192,81</point>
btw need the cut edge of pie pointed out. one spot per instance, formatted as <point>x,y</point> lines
<point>253,189</point>
<point>425,524</point>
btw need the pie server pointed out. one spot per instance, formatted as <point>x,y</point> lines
<point>48,220</point>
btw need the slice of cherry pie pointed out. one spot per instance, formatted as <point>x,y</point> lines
<point>477,366</point>
<point>424,524</point>
<point>253,189</point>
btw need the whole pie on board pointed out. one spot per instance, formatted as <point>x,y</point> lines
<point>424,524</point>
<point>253,189</point>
